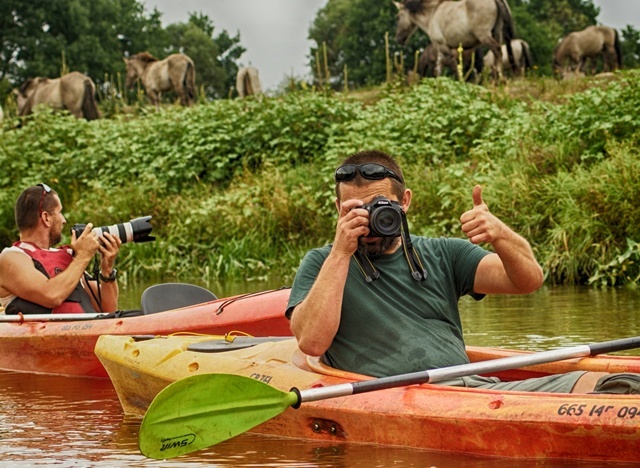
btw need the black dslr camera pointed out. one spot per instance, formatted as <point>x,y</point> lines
<point>136,230</point>
<point>385,217</point>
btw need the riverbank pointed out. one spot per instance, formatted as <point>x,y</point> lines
<point>240,189</point>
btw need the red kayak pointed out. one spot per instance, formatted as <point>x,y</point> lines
<point>63,344</point>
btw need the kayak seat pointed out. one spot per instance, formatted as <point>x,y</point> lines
<point>168,296</point>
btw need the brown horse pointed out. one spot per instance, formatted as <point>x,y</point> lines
<point>449,24</point>
<point>573,51</point>
<point>73,92</point>
<point>521,56</point>
<point>248,82</point>
<point>472,62</point>
<point>176,72</point>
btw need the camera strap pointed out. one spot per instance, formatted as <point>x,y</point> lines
<point>366,267</point>
<point>418,271</point>
<point>96,278</point>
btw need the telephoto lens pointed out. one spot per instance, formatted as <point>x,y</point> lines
<point>136,230</point>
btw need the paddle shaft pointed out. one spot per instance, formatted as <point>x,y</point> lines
<point>446,373</point>
<point>51,317</point>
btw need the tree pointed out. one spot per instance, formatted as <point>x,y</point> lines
<point>39,37</point>
<point>230,52</point>
<point>44,38</point>
<point>229,48</point>
<point>564,16</point>
<point>328,30</point>
<point>354,34</point>
<point>630,47</point>
<point>541,34</point>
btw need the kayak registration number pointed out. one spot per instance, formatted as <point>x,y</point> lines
<point>577,409</point>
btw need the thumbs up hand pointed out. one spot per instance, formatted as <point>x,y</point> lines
<point>478,223</point>
<point>477,196</point>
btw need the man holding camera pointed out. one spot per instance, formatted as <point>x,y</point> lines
<point>389,305</point>
<point>36,278</point>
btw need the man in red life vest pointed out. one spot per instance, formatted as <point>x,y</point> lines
<point>36,278</point>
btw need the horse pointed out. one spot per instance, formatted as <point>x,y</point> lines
<point>521,56</point>
<point>176,72</point>
<point>74,92</point>
<point>248,82</point>
<point>470,57</point>
<point>450,23</point>
<point>573,51</point>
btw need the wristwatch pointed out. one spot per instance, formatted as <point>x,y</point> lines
<point>111,277</point>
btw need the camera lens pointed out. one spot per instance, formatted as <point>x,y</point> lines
<point>386,221</point>
<point>136,230</point>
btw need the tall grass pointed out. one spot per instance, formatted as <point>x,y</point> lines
<point>242,188</point>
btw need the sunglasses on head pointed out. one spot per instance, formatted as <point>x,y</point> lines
<point>371,171</point>
<point>45,189</point>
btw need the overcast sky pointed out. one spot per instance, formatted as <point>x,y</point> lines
<point>274,32</point>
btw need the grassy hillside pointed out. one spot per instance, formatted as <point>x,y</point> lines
<point>241,188</point>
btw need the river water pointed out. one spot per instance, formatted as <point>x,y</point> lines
<point>74,422</point>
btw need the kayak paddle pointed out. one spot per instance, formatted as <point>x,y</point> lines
<point>202,410</point>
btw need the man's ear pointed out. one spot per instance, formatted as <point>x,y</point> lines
<point>46,218</point>
<point>406,199</point>
<point>338,205</point>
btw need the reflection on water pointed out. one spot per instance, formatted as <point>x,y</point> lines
<point>79,422</point>
<point>552,317</point>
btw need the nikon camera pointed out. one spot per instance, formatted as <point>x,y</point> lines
<point>385,217</point>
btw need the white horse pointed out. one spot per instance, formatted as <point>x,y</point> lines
<point>521,56</point>
<point>248,82</point>
<point>449,24</point>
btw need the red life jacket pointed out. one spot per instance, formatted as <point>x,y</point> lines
<point>51,263</point>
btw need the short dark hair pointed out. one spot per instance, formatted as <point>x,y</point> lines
<point>27,209</point>
<point>378,157</point>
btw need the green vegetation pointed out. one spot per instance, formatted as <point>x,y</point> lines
<point>242,188</point>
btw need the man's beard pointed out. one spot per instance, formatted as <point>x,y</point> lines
<point>378,248</point>
<point>55,238</point>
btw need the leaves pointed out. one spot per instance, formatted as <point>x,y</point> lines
<point>242,188</point>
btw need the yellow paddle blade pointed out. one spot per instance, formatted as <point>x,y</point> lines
<point>203,410</point>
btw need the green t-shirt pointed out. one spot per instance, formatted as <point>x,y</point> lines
<point>396,324</point>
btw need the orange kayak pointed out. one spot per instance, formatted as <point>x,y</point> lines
<point>427,416</point>
<point>63,344</point>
